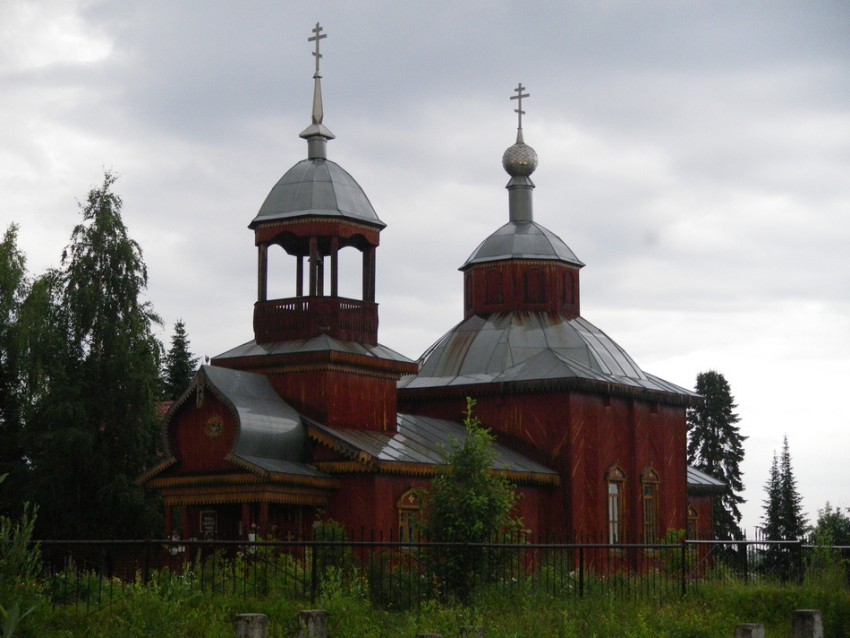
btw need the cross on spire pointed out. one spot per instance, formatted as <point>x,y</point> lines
<point>518,97</point>
<point>317,38</point>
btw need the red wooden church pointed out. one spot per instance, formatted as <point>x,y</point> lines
<point>315,416</point>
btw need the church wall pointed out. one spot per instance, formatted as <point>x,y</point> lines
<point>340,397</point>
<point>660,444</point>
<point>582,436</point>
<point>542,286</point>
<point>197,439</point>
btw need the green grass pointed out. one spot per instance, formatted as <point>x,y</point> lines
<point>175,607</point>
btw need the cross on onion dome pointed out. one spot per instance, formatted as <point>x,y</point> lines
<point>518,97</point>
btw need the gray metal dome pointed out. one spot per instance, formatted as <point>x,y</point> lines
<point>522,240</point>
<point>529,346</point>
<point>317,187</point>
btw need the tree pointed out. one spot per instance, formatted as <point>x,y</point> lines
<point>794,523</point>
<point>468,503</point>
<point>783,518</point>
<point>783,508</point>
<point>716,447</point>
<point>93,423</point>
<point>832,526</point>
<point>13,289</point>
<point>180,364</point>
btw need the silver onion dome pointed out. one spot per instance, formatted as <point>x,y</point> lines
<point>519,160</point>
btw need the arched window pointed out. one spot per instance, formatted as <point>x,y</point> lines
<point>493,287</point>
<point>534,286</point>
<point>693,523</point>
<point>409,506</point>
<point>649,484</point>
<point>467,291</point>
<point>616,482</point>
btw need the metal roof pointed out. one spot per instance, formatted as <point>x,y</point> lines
<point>701,482</point>
<point>270,434</point>
<point>424,440</point>
<point>522,240</point>
<point>316,344</point>
<point>525,346</point>
<point>317,187</point>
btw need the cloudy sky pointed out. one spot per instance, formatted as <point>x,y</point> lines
<point>695,155</point>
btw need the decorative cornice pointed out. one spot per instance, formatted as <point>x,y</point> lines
<point>146,476</point>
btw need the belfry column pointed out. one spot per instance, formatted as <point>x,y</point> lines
<point>262,272</point>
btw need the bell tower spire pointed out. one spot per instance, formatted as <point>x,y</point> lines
<point>317,134</point>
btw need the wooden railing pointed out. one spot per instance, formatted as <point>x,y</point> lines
<point>308,317</point>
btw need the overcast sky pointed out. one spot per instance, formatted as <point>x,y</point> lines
<point>695,155</point>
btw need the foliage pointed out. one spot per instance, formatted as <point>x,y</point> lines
<point>179,364</point>
<point>168,606</point>
<point>783,517</point>
<point>93,387</point>
<point>783,508</point>
<point>716,447</point>
<point>832,526</point>
<point>20,568</point>
<point>468,503</point>
<point>828,562</point>
<point>13,290</point>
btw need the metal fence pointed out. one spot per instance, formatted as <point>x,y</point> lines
<point>402,575</point>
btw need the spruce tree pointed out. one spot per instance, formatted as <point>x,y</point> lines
<point>793,519</point>
<point>783,518</point>
<point>716,447</point>
<point>180,364</point>
<point>772,506</point>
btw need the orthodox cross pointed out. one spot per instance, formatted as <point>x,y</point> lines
<point>518,97</point>
<point>316,38</point>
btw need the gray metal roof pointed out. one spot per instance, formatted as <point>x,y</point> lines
<point>270,434</point>
<point>316,344</point>
<point>700,482</point>
<point>317,187</point>
<point>525,346</point>
<point>424,440</point>
<point>522,240</point>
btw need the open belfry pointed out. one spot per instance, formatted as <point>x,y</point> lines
<point>314,417</point>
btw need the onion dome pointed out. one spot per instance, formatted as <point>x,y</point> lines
<point>519,160</point>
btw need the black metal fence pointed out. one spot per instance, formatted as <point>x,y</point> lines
<point>402,575</point>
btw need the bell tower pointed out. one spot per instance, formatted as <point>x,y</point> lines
<point>313,212</point>
<point>320,349</point>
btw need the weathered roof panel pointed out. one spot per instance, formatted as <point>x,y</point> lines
<point>268,426</point>
<point>510,347</point>
<point>522,240</point>
<point>700,482</point>
<point>424,440</point>
<point>317,187</point>
<point>316,344</point>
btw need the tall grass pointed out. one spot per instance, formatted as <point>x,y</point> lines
<point>174,606</point>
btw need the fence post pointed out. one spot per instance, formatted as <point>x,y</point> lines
<point>684,553</point>
<point>313,623</point>
<point>252,626</point>
<point>807,623</point>
<point>799,556</point>
<point>581,571</point>
<point>314,572</point>
<point>749,630</point>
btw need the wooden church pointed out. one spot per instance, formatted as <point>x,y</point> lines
<point>315,417</point>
